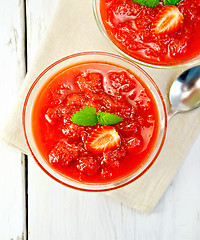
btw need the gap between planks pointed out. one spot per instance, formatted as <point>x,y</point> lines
<point>25,157</point>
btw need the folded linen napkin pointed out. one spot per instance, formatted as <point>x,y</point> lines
<point>71,30</point>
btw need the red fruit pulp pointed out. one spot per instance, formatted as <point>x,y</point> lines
<point>128,25</point>
<point>114,90</point>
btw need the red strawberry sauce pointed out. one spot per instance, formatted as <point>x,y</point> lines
<point>128,25</point>
<point>108,88</point>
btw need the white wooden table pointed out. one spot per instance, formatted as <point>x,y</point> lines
<point>34,207</point>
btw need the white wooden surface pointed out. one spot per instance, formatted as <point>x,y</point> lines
<point>12,72</point>
<point>54,211</point>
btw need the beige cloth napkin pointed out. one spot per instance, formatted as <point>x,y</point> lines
<point>73,29</point>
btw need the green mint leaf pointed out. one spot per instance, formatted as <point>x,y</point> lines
<point>88,116</point>
<point>171,2</point>
<point>105,118</point>
<point>85,116</point>
<point>148,3</point>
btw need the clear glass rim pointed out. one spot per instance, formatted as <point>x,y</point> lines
<point>100,25</point>
<point>93,187</point>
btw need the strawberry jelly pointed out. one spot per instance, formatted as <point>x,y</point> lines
<point>108,88</point>
<point>128,25</point>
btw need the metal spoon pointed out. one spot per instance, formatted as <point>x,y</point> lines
<point>184,93</point>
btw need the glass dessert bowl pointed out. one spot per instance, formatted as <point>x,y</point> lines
<point>132,29</point>
<point>94,121</point>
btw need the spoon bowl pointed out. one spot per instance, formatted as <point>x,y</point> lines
<point>184,93</point>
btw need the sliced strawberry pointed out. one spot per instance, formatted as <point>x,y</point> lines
<point>103,139</point>
<point>168,20</point>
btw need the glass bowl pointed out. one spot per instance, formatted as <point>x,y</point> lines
<point>101,26</point>
<point>79,59</point>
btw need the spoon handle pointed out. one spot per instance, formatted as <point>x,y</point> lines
<point>170,114</point>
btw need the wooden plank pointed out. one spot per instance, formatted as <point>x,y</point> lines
<point>12,71</point>
<point>57,212</point>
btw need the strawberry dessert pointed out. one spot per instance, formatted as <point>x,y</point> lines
<point>95,122</point>
<point>158,32</point>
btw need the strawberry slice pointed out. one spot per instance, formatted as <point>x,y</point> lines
<point>103,139</point>
<point>168,20</point>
